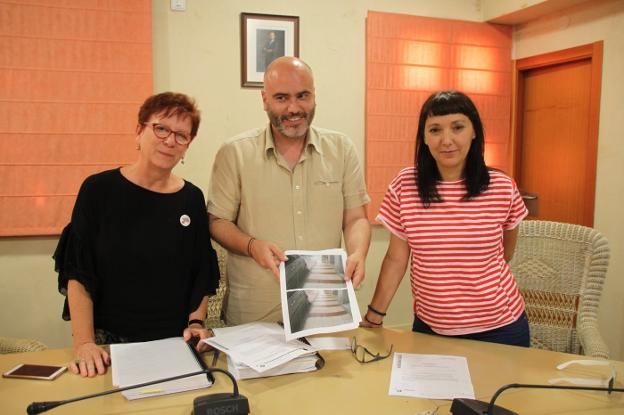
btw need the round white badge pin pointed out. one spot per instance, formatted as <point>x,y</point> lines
<point>185,220</point>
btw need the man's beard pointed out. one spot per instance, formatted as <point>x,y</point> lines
<point>292,132</point>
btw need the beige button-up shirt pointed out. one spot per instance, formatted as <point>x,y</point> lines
<point>253,187</point>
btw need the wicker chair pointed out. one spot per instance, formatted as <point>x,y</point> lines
<point>560,269</point>
<point>214,316</point>
<point>15,345</point>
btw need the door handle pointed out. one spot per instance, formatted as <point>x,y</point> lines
<point>531,201</point>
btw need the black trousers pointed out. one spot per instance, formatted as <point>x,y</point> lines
<point>514,334</point>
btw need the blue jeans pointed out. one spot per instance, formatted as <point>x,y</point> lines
<point>514,334</point>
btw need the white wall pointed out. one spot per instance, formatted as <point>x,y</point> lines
<point>198,52</point>
<point>30,305</point>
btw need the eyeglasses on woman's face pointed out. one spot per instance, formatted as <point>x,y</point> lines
<point>363,355</point>
<point>163,132</point>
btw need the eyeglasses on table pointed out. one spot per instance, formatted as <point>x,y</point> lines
<point>609,382</point>
<point>363,355</point>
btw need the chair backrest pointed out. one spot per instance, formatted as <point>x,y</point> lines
<point>560,269</point>
<point>214,316</point>
<point>16,345</point>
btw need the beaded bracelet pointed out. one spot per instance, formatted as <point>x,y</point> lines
<point>379,313</point>
<point>249,246</point>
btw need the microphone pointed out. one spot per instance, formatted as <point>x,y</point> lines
<point>462,406</point>
<point>219,403</point>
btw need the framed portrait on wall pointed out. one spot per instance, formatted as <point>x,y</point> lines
<point>264,38</point>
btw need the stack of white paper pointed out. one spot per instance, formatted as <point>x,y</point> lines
<point>306,363</point>
<point>260,349</point>
<point>134,363</point>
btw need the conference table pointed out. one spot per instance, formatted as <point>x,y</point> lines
<point>342,386</point>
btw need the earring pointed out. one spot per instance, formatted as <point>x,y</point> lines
<point>182,160</point>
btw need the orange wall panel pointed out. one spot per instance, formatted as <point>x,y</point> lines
<point>68,149</point>
<point>74,54</point>
<point>408,58</point>
<point>72,76</point>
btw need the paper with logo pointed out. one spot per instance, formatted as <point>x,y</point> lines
<point>430,376</point>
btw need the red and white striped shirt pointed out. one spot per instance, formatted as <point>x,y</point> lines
<point>460,281</point>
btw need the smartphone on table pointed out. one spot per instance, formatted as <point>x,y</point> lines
<point>43,372</point>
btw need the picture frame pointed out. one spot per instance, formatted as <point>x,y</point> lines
<point>265,37</point>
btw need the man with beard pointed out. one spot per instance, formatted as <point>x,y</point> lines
<point>286,186</point>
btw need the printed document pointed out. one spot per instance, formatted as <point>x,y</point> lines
<point>430,376</point>
<point>330,343</point>
<point>305,363</point>
<point>259,345</point>
<point>315,296</point>
<point>134,363</point>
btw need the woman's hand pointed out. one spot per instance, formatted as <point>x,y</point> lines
<point>90,360</point>
<point>371,321</point>
<point>197,333</point>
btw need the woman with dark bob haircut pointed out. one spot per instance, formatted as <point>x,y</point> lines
<point>458,219</point>
<point>135,262</point>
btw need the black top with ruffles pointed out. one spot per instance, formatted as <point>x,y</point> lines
<point>144,257</point>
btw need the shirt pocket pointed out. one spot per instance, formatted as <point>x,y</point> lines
<point>328,182</point>
<point>328,192</point>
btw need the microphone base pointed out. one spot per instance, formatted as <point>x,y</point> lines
<point>463,406</point>
<point>220,403</point>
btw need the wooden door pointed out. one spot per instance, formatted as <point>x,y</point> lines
<point>556,133</point>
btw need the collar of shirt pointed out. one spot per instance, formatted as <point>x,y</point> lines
<point>312,141</point>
